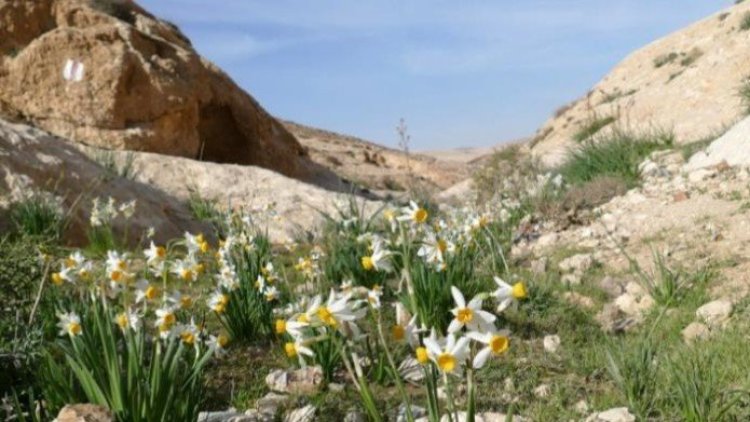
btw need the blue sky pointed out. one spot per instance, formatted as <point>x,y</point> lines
<point>462,73</point>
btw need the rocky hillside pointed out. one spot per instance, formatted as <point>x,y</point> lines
<point>133,82</point>
<point>689,82</point>
<point>375,166</point>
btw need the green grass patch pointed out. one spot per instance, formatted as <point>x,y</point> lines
<point>37,216</point>
<point>745,22</point>
<point>745,94</point>
<point>617,155</point>
<point>665,59</point>
<point>591,127</point>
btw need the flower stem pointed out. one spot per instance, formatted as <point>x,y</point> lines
<point>396,374</point>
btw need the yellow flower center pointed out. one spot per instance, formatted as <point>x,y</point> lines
<point>57,279</point>
<point>325,316</point>
<point>151,292</point>
<point>367,263</point>
<point>442,245</point>
<point>519,291</point>
<point>420,215</point>
<point>199,268</point>
<point>389,214</point>
<point>446,362</point>
<point>499,344</point>
<point>204,247</point>
<point>465,315</point>
<point>84,274</point>
<point>70,263</point>
<point>168,320</point>
<point>186,274</point>
<point>161,252</point>
<point>290,349</point>
<point>422,356</point>
<point>398,332</point>
<point>280,326</point>
<point>116,275</point>
<point>187,337</point>
<point>74,328</point>
<point>122,320</point>
<point>121,265</point>
<point>186,302</point>
<point>199,238</point>
<point>222,341</point>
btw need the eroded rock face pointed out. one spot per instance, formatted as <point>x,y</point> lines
<point>34,162</point>
<point>144,87</point>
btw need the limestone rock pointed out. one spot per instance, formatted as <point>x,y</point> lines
<point>551,343</point>
<point>731,149</point>
<point>84,413</point>
<point>143,88</point>
<point>303,414</point>
<point>695,331</point>
<point>618,414</point>
<point>611,286</point>
<point>716,313</point>
<point>307,380</point>
<point>577,263</point>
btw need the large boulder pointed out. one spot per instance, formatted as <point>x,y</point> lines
<point>733,148</point>
<point>143,88</point>
<point>34,163</point>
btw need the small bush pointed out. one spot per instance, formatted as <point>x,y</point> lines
<point>665,59</point>
<point>112,168</point>
<point>745,94</point>
<point>591,127</point>
<point>37,216</point>
<point>745,23</point>
<point>617,156</point>
<point>691,57</point>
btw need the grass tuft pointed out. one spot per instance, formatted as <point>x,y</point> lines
<point>591,127</point>
<point>745,94</point>
<point>665,59</point>
<point>617,155</point>
<point>37,216</point>
<point>745,23</point>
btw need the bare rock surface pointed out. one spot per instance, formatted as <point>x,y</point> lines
<point>33,162</point>
<point>143,87</point>
<point>84,413</point>
<point>733,148</point>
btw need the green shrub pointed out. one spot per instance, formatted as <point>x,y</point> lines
<point>745,94</point>
<point>698,394</point>
<point>634,369</point>
<point>21,272</point>
<point>745,23</point>
<point>591,127</point>
<point>137,377</point>
<point>665,59</point>
<point>248,316</point>
<point>617,155</point>
<point>37,216</point>
<point>204,209</point>
<point>691,57</point>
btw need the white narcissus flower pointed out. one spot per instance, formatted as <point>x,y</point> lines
<point>450,354</point>
<point>218,302</point>
<point>507,295</point>
<point>291,327</point>
<point>405,328</point>
<point>414,214</point>
<point>217,344</point>
<point>145,291</point>
<point>434,249</point>
<point>117,267</point>
<point>337,310</point>
<point>471,315</point>
<point>380,260</point>
<point>189,333</point>
<point>128,209</point>
<point>298,349</point>
<point>69,324</point>
<point>165,320</point>
<point>496,343</point>
<point>155,255</point>
<point>185,269</point>
<point>183,301</point>
<point>373,296</point>
<point>128,320</point>
<point>271,293</point>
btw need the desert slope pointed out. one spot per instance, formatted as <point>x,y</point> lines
<point>687,82</point>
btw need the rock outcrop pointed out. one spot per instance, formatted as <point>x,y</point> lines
<point>688,82</point>
<point>143,87</point>
<point>732,148</point>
